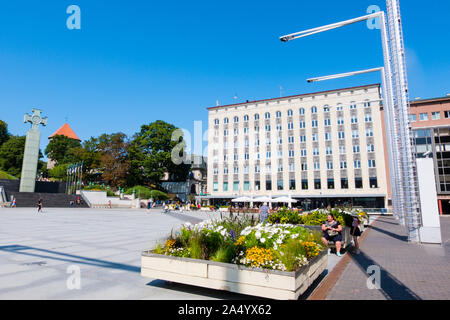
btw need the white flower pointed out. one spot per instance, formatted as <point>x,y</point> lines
<point>279,241</point>
<point>263,240</point>
<point>257,234</point>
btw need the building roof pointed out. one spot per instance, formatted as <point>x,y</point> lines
<point>430,100</point>
<point>295,96</point>
<point>67,131</point>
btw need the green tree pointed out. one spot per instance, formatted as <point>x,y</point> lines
<point>114,161</point>
<point>59,172</point>
<point>150,155</point>
<point>4,135</point>
<point>58,149</point>
<point>11,155</point>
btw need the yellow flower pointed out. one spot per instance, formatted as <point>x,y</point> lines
<point>240,241</point>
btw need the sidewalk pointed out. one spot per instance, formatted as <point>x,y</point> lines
<point>408,271</point>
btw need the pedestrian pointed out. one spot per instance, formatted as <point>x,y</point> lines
<point>13,205</point>
<point>78,200</point>
<point>331,231</point>
<point>39,206</point>
<point>263,212</point>
<point>109,204</point>
<point>355,232</point>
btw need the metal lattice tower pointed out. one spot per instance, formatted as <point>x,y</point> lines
<point>407,207</point>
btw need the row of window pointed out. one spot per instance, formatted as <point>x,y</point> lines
<point>301,111</point>
<point>341,134</point>
<point>304,167</point>
<point>435,115</point>
<point>330,184</point>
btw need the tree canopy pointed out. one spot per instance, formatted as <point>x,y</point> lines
<point>59,149</point>
<point>4,135</point>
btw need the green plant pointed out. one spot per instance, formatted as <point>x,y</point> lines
<point>292,254</point>
<point>225,253</point>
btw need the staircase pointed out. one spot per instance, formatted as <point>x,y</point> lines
<point>49,200</point>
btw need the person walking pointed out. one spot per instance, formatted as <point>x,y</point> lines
<point>355,232</point>
<point>39,206</point>
<point>332,231</point>
<point>13,204</point>
<point>263,212</point>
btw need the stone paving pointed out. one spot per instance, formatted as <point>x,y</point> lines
<point>408,271</point>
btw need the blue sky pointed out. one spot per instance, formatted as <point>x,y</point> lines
<point>134,62</point>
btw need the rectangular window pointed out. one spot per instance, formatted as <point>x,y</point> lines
<point>302,125</point>
<point>317,184</point>
<point>329,165</point>
<point>303,152</point>
<point>327,136</point>
<point>330,183</point>
<point>371,163</point>
<point>291,153</point>
<point>236,186</point>
<point>373,182</point>
<point>447,114</point>
<point>369,132</point>
<point>355,134</point>
<point>370,148</point>
<point>327,122</point>
<point>291,167</point>
<point>291,139</point>
<point>315,151</point>
<point>257,185</point>
<point>354,119</point>
<point>344,183</point>
<point>329,151</point>
<point>358,183</point>
<point>316,165</point>
<point>246,185</point>
<point>304,184</point>
<point>292,184</point>
<point>368,117</point>
<point>216,186</point>
<point>268,184</point>
<point>304,167</point>
<point>343,164</point>
<point>435,115</point>
<point>315,137</point>
<point>340,120</point>
<point>341,135</point>
<point>302,138</point>
<point>314,123</point>
<point>225,186</point>
<point>423,116</point>
<point>342,150</point>
<point>412,118</point>
<point>355,148</point>
<point>290,126</point>
<point>357,164</point>
<point>280,185</point>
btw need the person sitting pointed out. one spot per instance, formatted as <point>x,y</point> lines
<point>332,231</point>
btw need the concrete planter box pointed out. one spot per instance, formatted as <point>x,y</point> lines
<point>231,277</point>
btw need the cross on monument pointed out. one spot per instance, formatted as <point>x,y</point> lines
<point>31,153</point>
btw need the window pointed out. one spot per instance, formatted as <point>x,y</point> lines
<point>235,186</point>
<point>225,120</point>
<point>257,185</point>
<point>236,157</point>
<point>327,122</point>
<point>216,171</point>
<point>354,119</point>
<point>340,121</point>
<point>291,184</point>
<point>290,125</point>
<point>369,132</point>
<point>355,148</point>
<point>341,135</point>
<point>225,186</point>
<point>246,118</point>
<point>357,164</point>
<point>268,184</point>
<point>368,117</point>
<point>289,113</point>
<point>280,141</point>
<point>423,116</point>
<point>326,109</point>
<point>256,116</point>
<point>316,165</point>
<point>225,132</point>
<point>267,127</point>
<point>216,121</point>
<point>291,167</point>
<point>344,183</point>
<point>435,115</point>
<point>367,104</point>
<point>314,123</point>
<point>315,137</point>
<point>315,151</point>
<point>303,152</point>
<point>236,131</point>
<point>329,165</point>
<point>330,183</point>
<point>358,183</point>
<point>280,154</point>
<point>216,186</point>
<point>355,134</point>
<point>246,156</point>
<point>280,184</point>
<point>339,107</point>
<point>236,119</point>
<point>280,167</point>
<point>370,148</point>
<point>236,170</point>
<point>352,105</point>
<point>327,136</point>
<point>343,165</point>
<point>267,115</point>
<point>371,163</point>
<point>291,153</point>
<point>268,154</point>
<point>313,109</point>
<point>278,114</point>
<point>304,167</point>
<point>412,118</point>
<point>302,124</point>
<point>373,182</point>
<point>301,111</point>
<point>342,150</point>
<point>246,185</point>
<point>317,184</point>
<point>257,169</point>
<point>304,184</point>
<point>279,128</point>
<point>257,142</point>
<point>225,170</point>
<point>302,138</point>
<point>447,114</point>
<point>291,139</point>
<point>329,151</point>
<point>216,133</point>
<point>267,141</point>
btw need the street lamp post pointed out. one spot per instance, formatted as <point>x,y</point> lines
<point>403,181</point>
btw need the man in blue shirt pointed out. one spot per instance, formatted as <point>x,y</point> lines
<point>263,212</point>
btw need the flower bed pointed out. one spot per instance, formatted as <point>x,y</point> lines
<point>236,248</point>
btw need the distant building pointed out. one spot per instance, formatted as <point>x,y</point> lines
<point>322,148</point>
<point>430,122</point>
<point>67,131</point>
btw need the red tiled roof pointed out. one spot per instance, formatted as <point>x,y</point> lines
<point>67,131</point>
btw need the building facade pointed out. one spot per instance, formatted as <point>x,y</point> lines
<point>323,148</point>
<point>430,122</point>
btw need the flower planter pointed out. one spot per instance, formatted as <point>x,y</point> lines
<point>266,283</point>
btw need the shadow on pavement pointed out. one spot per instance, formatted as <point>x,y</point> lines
<point>391,234</point>
<point>390,286</point>
<point>55,255</point>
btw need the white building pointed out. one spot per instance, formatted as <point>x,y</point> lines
<point>321,148</point>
